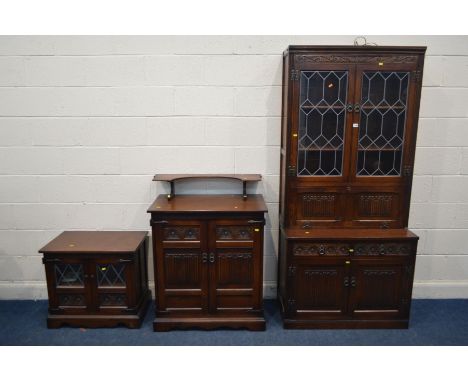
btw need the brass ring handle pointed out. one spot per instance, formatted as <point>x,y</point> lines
<point>212,257</point>
<point>349,108</point>
<point>204,257</point>
<point>357,107</point>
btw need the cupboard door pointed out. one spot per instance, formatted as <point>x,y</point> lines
<point>235,262</point>
<point>181,266</point>
<point>383,125</point>
<point>69,284</point>
<point>320,133</point>
<point>378,288</point>
<point>114,283</point>
<point>320,288</point>
<point>383,144</point>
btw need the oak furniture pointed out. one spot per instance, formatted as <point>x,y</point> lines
<point>208,261</point>
<point>349,121</point>
<point>97,278</point>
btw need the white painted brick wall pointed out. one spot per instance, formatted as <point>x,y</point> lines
<point>86,121</point>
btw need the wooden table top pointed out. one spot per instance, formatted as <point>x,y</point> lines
<point>208,203</point>
<point>95,242</point>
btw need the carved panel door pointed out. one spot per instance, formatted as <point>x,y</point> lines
<point>235,256</point>
<point>181,266</point>
<point>320,288</point>
<point>68,284</point>
<point>378,288</point>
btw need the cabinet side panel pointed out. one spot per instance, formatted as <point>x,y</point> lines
<point>284,140</point>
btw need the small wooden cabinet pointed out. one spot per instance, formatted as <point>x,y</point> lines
<point>208,261</point>
<point>97,279</point>
<point>349,123</point>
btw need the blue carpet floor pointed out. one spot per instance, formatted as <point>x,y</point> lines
<point>433,322</point>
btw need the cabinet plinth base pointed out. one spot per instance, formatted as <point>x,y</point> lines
<point>345,324</point>
<point>132,321</point>
<point>162,324</point>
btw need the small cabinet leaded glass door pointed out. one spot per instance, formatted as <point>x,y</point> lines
<point>112,283</point>
<point>382,122</point>
<point>70,292</point>
<point>321,131</point>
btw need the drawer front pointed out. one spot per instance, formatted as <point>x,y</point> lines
<point>321,249</point>
<point>382,249</point>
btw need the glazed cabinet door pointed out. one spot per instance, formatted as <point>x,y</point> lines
<point>114,286</point>
<point>181,266</point>
<point>235,265</point>
<point>320,288</point>
<point>379,288</point>
<point>320,141</point>
<point>69,284</point>
<point>383,142</point>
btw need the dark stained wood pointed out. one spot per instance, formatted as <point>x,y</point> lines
<point>171,178</point>
<point>346,256</point>
<point>208,262</point>
<point>82,285</point>
<point>242,177</point>
<point>208,203</point>
<point>95,242</point>
<point>350,234</point>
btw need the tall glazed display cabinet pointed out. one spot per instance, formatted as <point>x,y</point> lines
<point>349,122</point>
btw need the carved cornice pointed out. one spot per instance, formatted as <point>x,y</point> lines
<point>357,59</point>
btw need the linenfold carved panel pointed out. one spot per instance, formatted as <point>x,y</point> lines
<point>318,205</point>
<point>375,205</point>
<point>235,269</point>
<point>182,270</point>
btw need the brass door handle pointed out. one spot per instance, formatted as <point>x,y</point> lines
<point>353,281</point>
<point>346,281</point>
<point>357,107</point>
<point>349,108</point>
<point>204,257</point>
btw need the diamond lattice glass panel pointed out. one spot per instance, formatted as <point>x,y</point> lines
<point>69,274</point>
<point>382,124</point>
<point>110,275</point>
<point>322,117</point>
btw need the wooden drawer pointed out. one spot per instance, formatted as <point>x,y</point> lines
<point>321,249</point>
<point>382,248</point>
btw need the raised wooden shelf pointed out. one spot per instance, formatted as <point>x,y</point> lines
<point>171,178</point>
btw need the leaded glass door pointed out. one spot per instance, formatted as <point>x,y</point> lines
<point>323,96</point>
<point>114,288</point>
<point>69,289</point>
<point>321,140</point>
<point>381,128</point>
<point>383,110</point>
